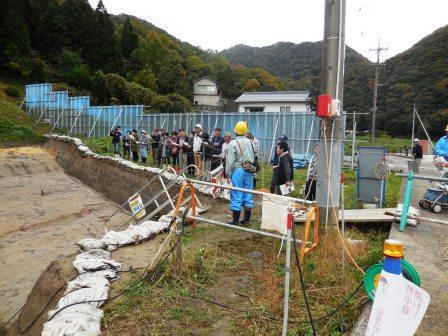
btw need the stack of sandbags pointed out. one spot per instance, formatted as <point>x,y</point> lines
<point>77,312</point>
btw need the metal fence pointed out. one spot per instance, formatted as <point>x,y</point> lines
<point>78,117</point>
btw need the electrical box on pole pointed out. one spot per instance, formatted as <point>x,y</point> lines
<point>324,106</point>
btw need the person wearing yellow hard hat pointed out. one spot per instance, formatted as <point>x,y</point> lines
<point>441,148</point>
<point>240,168</point>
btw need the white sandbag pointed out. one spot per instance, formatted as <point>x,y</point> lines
<point>165,219</point>
<point>112,245</point>
<point>75,324</point>
<point>83,308</point>
<point>91,244</point>
<point>121,238</point>
<point>137,232</point>
<point>155,227</point>
<point>90,265</point>
<point>96,294</point>
<point>94,254</point>
<point>86,282</point>
<point>83,148</point>
<point>108,274</point>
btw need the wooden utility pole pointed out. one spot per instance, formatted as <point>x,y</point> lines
<point>330,152</point>
<point>375,91</point>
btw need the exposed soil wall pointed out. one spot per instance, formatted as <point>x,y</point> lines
<point>111,178</point>
<point>116,179</point>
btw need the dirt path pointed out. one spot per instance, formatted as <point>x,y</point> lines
<point>426,248</point>
<point>43,212</point>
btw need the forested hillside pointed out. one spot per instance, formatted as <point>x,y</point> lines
<point>420,73</point>
<point>123,59</point>
<point>300,65</point>
<point>116,58</point>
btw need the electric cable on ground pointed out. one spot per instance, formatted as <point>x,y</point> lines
<point>302,285</point>
<point>166,255</point>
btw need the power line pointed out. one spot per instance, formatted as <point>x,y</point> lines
<point>378,51</point>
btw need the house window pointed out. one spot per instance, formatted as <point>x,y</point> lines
<point>285,109</point>
<point>196,102</point>
<point>254,109</point>
<point>206,89</point>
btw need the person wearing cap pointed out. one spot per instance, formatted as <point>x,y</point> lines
<point>216,142</point>
<point>240,151</point>
<point>274,164</point>
<point>197,146</point>
<point>441,148</point>
<point>144,146</point>
<point>417,151</point>
<point>116,138</point>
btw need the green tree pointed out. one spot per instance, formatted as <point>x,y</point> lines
<point>178,103</point>
<point>137,94</point>
<point>104,52</point>
<point>99,90</point>
<point>68,60</point>
<point>14,38</point>
<point>129,39</point>
<point>116,86</point>
<point>79,77</point>
<point>251,85</point>
<point>147,79</point>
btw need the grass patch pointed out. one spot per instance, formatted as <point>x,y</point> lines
<point>246,274</point>
<point>15,124</point>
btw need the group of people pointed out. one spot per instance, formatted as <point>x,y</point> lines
<point>178,148</point>
<point>239,158</point>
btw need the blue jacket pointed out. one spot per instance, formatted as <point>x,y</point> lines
<point>441,148</point>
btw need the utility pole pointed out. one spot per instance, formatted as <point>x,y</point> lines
<point>413,126</point>
<point>330,152</point>
<point>375,90</point>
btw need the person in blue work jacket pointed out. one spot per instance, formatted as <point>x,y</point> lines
<point>239,152</point>
<point>441,148</point>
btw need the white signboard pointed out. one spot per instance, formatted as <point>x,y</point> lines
<point>398,308</point>
<point>137,207</point>
<point>287,189</point>
<point>274,212</point>
<point>216,176</point>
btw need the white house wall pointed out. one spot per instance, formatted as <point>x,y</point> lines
<point>275,107</point>
<point>209,100</point>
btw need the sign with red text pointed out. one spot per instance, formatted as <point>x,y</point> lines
<point>398,308</point>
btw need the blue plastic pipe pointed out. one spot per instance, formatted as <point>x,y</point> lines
<point>406,202</point>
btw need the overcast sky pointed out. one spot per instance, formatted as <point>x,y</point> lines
<point>219,25</point>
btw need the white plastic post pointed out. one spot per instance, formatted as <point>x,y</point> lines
<point>287,272</point>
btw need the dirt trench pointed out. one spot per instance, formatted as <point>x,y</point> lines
<point>52,196</point>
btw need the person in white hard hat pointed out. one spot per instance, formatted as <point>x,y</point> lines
<point>417,151</point>
<point>197,144</point>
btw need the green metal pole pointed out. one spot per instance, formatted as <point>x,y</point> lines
<point>406,202</point>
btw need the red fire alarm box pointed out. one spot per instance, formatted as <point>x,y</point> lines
<point>324,106</point>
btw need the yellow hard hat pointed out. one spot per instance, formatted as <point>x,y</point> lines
<point>240,128</point>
